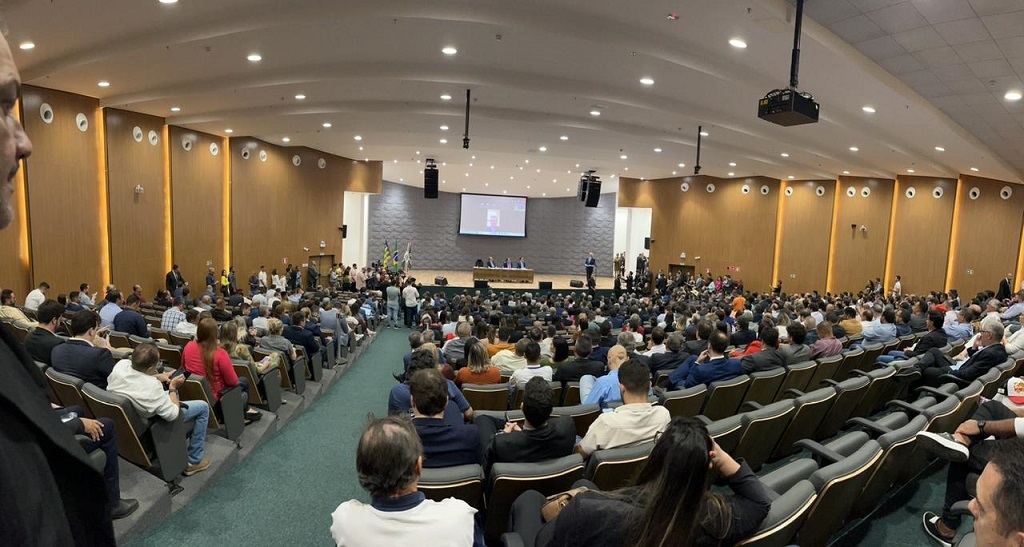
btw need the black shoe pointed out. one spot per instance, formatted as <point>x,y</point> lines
<point>123,508</point>
<point>930,521</point>
<point>253,415</point>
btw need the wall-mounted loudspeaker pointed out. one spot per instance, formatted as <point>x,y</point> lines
<point>344,231</point>
<point>647,243</point>
<point>545,286</point>
<point>593,193</point>
<point>430,183</point>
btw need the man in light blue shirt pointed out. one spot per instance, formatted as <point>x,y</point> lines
<point>604,390</point>
<point>1013,312</point>
<point>882,332</point>
<point>960,328</point>
<point>111,309</point>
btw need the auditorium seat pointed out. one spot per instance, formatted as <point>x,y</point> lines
<point>762,429</point>
<point>292,378</point>
<point>179,340</point>
<point>908,340</point>
<point>464,482</point>
<point>487,396</point>
<point>49,387</point>
<point>556,396</point>
<point>725,397</point>
<point>20,332</point>
<point>67,388</point>
<point>264,389</point>
<point>508,480</point>
<point>809,411</point>
<point>764,385</point>
<point>314,367</point>
<point>227,416</point>
<point>571,396</point>
<point>616,468</point>
<point>851,360</point>
<point>786,515</point>
<point>848,395</point>
<point>880,379</point>
<point>582,415</point>
<point>170,355</point>
<point>119,340</point>
<point>136,341</point>
<point>726,432</point>
<point>685,402</point>
<point>796,381</point>
<point>826,370</point>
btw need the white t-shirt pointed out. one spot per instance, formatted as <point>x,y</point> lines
<point>523,375</point>
<point>626,425</point>
<point>410,295</point>
<point>34,299</point>
<point>446,523</point>
<point>508,362</point>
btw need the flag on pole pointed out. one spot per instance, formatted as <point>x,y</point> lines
<point>386,259</point>
<point>407,260</point>
<point>396,258</point>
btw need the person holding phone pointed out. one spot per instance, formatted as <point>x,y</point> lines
<point>87,354</point>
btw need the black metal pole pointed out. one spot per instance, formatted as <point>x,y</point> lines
<point>696,166</point>
<point>794,66</point>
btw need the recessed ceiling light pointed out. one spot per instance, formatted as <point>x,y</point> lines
<point>27,45</point>
<point>487,184</point>
<point>229,131</point>
<point>538,170</point>
<point>854,149</point>
<point>737,43</point>
<point>446,97</point>
<point>732,164</point>
<point>417,152</point>
<point>104,83</point>
<point>543,194</point>
<point>568,189</point>
<point>394,161</point>
<point>791,177</point>
<point>657,150</point>
<point>673,172</point>
<point>704,134</point>
<point>626,168</point>
<point>327,125</point>
<point>527,186</point>
<point>175,109</point>
<point>358,137</point>
<point>595,112</point>
<point>360,148</point>
<point>449,50</point>
<point>1012,95</point>
<point>543,149</point>
<point>682,165</point>
<point>623,157</point>
<point>168,1</point>
<point>647,81</point>
<point>255,57</point>
<point>784,154</point>
<point>443,141</point>
<point>846,172</point>
<point>939,149</point>
<point>444,128</point>
<point>471,164</point>
<point>975,169</point>
<point>463,189</point>
<point>286,139</point>
<point>564,137</point>
<point>466,174</point>
<point>910,170</point>
<point>732,174</point>
<point>868,109</point>
<point>527,161</point>
<point>300,97</point>
<point>492,167</point>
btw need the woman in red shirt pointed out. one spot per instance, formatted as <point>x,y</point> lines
<point>205,357</point>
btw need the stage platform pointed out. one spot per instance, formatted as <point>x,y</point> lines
<point>464,279</point>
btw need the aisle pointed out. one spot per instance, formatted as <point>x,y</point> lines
<point>285,491</point>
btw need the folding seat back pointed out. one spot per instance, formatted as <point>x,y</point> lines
<point>826,370</point>
<point>727,432</point>
<point>293,376</point>
<point>725,397</point>
<point>762,429</point>
<point>890,346</point>
<point>797,377</point>
<point>897,446</point>
<point>556,396</point>
<point>119,340</point>
<point>571,396</point>
<point>264,389</point>
<point>197,388</point>
<point>956,347</point>
<point>152,321</point>
<point>169,354</point>
<point>314,369</point>
<point>968,402</point>
<point>19,331</point>
<point>508,480</point>
<point>810,409</point>
<point>851,361</point>
<point>582,415</point>
<point>838,486</point>
<point>49,387</point>
<point>464,482</point>
<point>615,468</point>
<point>787,514</point>
<point>764,385</point>
<point>1005,373</point>
<point>67,388</point>
<point>871,354</point>
<point>179,340</point>
<point>880,379</point>
<point>159,334</point>
<point>849,394</point>
<point>686,402</point>
<point>136,341</point>
<point>906,341</point>
<point>486,396</point>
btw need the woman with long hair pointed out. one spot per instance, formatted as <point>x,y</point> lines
<point>559,353</point>
<point>230,340</point>
<point>478,369</point>
<point>669,505</point>
<point>204,357</point>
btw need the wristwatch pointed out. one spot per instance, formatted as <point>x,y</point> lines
<point>981,426</point>
<point>169,391</point>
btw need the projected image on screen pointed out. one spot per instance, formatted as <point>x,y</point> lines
<point>484,215</point>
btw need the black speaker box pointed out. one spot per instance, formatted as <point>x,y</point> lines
<point>593,194</point>
<point>479,284</point>
<point>576,283</point>
<point>545,285</point>
<point>344,231</point>
<point>430,183</point>
<point>441,280</point>
<point>647,243</point>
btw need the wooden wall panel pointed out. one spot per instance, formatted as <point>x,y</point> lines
<point>66,195</point>
<point>986,235</point>
<point>806,231</point>
<point>858,256</point>
<point>15,272</point>
<point>726,228</point>
<point>197,203</point>
<point>138,237</point>
<point>920,235</point>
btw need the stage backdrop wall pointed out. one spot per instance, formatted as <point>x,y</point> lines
<point>559,232</point>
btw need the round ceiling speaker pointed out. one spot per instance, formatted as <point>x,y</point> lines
<point>819,191</point>
<point>245,153</point>
<point>911,192</point>
<point>765,190</point>
<point>263,155</point>
<point>214,149</point>
<point>789,191</point>
<point>46,112</point>
<point>321,163</point>
<point>137,133</point>
<point>710,188</point>
<point>745,189</point>
<point>154,138</point>
<point>685,187</point>
<point>296,160</point>
<point>186,144</point>
<point>1006,192</point>
<point>975,193</point>
<point>851,191</point>
<point>82,122</point>
<point>937,192</point>
<point>865,192</point>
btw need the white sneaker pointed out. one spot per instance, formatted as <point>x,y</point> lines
<point>943,445</point>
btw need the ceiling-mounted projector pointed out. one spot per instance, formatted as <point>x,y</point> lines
<point>788,106</point>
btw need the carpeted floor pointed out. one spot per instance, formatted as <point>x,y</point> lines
<point>284,493</point>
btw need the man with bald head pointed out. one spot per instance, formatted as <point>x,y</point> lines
<point>55,495</point>
<point>604,390</point>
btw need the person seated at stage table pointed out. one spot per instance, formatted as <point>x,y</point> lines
<point>478,264</point>
<point>491,263</point>
<point>522,265</point>
<point>507,264</point>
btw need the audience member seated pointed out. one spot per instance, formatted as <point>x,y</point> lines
<point>669,504</point>
<point>10,312</point>
<point>509,361</point>
<point>398,398</point>
<point>36,296</point>
<point>138,380</point>
<point>204,357</point>
<point>229,341</point>
<point>298,334</point>
<point>977,445</point>
<point>851,326</point>
<point>769,358</point>
<point>657,343</point>
<point>221,312</point>
<point>743,334</point>
<point>673,356</point>
<point>504,333</point>
<point>111,307</point>
<point>636,421</point>
<point>580,366</point>
<point>712,364</point>
<point>42,339</point>
<point>936,338</point>
<point>87,354</point>
<point>190,324</point>
<point>478,369</point>
<point>390,460</point>
<point>454,350</point>
<point>827,345</point>
<point>987,352</point>
<point>444,443</point>
<point>129,320</point>
<point>173,315</point>
<point>273,341</point>
<point>533,368</point>
<point>960,327</point>
<point>604,390</point>
<point>881,332</point>
<point>540,438</point>
<point>795,350</point>
<point>558,352</point>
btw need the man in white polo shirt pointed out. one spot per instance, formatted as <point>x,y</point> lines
<point>634,422</point>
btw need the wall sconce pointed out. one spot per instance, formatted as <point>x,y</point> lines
<point>139,189</point>
<point>863,229</point>
<point>305,249</point>
<point>322,244</point>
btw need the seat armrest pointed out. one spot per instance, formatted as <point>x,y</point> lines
<point>830,456</point>
<point>785,477</point>
<point>794,392</point>
<point>873,429</point>
<point>903,405</point>
<point>752,404</point>
<point>830,382</point>
<point>704,419</point>
<point>857,372</point>
<point>937,393</point>
<point>955,379</point>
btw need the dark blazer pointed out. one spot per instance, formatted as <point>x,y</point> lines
<point>81,360</point>
<point>722,368</point>
<point>446,445</point>
<point>980,361</point>
<point>694,347</point>
<point>667,360</point>
<point>171,282</point>
<point>61,499</point>
<point>934,339</point>
<point>794,353</point>
<point>742,337</point>
<point>131,322</point>
<point>302,337</point>
<point>572,371</point>
<point>679,375</point>
<point>40,343</point>
<point>1004,291</point>
<point>554,440</point>
<point>763,360</point>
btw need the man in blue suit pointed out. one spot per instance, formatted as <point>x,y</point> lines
<point>713,365</point>
<point>87,354</point>
<point>589,263</point>
<point>521,264</point>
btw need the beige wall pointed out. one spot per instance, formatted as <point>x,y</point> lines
<point>806,220</point>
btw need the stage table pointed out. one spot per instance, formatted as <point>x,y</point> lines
<point>503,275</point>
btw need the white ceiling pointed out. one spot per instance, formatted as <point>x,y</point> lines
<point>536,69</point>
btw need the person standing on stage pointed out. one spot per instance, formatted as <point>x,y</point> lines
<point>641,265</point>
<point>590,264</point>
